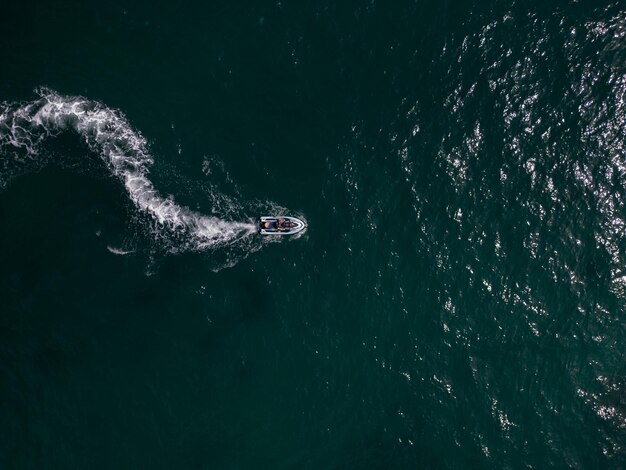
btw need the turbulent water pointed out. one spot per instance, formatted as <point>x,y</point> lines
<point>26,127</point>
<point>457,301</point>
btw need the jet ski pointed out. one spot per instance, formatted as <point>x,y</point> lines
<point>279,225</point>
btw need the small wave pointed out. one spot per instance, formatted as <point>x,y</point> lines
<point>119,251</point>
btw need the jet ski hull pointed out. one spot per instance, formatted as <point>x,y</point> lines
<point>279,225</point>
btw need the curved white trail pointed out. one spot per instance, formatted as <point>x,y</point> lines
<point>25,126</point>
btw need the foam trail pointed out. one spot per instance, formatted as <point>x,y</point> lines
<point>24,127</point>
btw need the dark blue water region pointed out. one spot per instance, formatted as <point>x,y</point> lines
<point>457,300</point>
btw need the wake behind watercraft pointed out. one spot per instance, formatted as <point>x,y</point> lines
<point>279,225</point>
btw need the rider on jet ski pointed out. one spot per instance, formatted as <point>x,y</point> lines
<point>279,225</point>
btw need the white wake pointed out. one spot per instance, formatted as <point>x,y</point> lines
<point>24,127</point>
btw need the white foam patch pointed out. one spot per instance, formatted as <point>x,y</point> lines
<point>119,251</point>
<point>24,127</point>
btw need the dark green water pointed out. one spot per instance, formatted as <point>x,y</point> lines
<point>456,302</point>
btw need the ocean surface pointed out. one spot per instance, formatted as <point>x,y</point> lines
<point>457,301</point>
